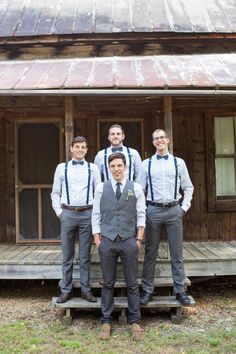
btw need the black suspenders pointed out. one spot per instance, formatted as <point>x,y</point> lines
<point>106,167</point>
<point>67,186</point>
<point>150,178</point>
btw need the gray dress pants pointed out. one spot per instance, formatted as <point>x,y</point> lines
<point>109,252</point>
<point>171,218</point>
<point>72,221</point>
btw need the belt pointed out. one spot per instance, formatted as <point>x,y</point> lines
<point>74,208</point>
<point>164,205</point>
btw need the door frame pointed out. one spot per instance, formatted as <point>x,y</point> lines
<point>119,121</point>
<point>60,122</point>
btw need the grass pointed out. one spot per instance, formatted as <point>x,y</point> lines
<point>28,325</point>
<point>25,337</point>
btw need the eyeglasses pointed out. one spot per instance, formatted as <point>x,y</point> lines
<point>160,137</point>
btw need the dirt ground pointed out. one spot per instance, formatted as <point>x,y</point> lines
<point>24,300</point>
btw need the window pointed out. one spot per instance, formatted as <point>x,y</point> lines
<point>221,158</point>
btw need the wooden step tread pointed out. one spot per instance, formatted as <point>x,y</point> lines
<point>120,283</point>
<point>121,302</point>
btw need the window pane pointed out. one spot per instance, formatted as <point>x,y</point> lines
<point>28,202</point>
<point>224,136</point>
<point>225,176</point>
<point>51,224</point>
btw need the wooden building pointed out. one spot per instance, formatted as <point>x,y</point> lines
<point>75,67</point>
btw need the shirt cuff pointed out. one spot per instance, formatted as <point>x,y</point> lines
<point>96,230</point>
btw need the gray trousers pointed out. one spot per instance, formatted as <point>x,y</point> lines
<point>109,251</point>
<point>171,218</point>
<point>72,221</point>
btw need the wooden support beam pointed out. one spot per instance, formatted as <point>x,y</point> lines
<point>69,124</point>
<point>168,120</point>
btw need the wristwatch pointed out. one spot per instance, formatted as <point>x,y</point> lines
<point>141,240</point>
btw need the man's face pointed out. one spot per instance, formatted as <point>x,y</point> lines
<point>79,150</point>
<point>160,141</point>
<point>117,169</point>
<point>116,137</point>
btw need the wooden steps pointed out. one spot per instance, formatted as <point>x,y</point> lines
<point>121,302</point>
<point>120,283</point>
<point>64,310</point>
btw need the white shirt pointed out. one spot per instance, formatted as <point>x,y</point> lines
<point>136,163</point>
<point>77,176</point>
<point>140,206</point>
<point>163,181</point>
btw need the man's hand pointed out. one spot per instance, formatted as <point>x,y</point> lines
<point>97,239</point>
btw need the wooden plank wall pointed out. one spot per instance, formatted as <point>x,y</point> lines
<point>189,143</point>
<point>2,181</point>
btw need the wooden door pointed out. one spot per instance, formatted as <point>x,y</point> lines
<point>38,151</point>
<point>133,133</point>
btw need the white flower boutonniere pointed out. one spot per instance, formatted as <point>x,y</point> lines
<point>130,194</point>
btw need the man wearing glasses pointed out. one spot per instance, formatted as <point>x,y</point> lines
<point>165,176</point>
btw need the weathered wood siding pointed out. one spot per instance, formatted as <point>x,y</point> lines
<point>189,135</point>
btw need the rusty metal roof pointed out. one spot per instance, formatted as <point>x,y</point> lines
<point>165,71</point>
<point>48,17</point>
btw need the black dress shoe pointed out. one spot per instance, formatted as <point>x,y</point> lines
<point>146,298</point>
<point>63,298</point>
<point>183,298</point>
<point>88,296</point>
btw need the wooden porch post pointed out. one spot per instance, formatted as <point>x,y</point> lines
<point>69,123</point>
<point>168,120</point>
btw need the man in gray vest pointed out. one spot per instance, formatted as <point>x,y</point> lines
<point>118,222</point>
<point>165,176</point>
<point>72,200</point>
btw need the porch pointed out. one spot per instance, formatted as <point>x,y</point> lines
<point>202,259</point>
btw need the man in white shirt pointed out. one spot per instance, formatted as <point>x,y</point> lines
<point>72,201</point>
<point>134,169</point>
<point>165,175</point>
<point>118,222</point>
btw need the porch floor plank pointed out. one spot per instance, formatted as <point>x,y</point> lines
<point>208,254</point>
<point>44,261</point>
<point>195,252</point>
<point>220,254</point>
<point>19,253</point>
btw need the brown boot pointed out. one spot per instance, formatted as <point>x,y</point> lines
<point>105,331</point>
<point>136,331</point>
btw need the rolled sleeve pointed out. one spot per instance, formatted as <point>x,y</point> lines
<point>140,206</point>
<point>96,214</point>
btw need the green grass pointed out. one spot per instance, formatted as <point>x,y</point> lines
<point>158,337</point>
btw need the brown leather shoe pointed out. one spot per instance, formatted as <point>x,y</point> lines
<point>136,331</point>
<point>63,298</point>
<point>88,296</point>
<point>105,331</point>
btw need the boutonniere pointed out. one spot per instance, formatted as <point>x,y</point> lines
<point>130,194</point>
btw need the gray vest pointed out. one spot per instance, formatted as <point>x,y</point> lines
<point>118,216</point>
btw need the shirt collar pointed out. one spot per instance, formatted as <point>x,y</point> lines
<point>113,181</point>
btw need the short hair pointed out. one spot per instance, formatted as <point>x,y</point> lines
<point>117,155</point>
<point>160,130</point>
<point>116,126</point>
<point>79,139</point>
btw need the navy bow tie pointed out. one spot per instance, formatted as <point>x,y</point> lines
<point>162,157</point>
<point>117,149</point>
<point>77,162</point>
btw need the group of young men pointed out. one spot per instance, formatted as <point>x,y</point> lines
<point>117,216</point>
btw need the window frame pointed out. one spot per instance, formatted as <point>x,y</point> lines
<point>215,204</point>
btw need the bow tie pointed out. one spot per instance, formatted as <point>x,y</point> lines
<point>162,157</point>
<point>117,149</point>
<point>77,162</point>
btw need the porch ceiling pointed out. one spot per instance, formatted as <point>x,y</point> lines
<point>183,72</point>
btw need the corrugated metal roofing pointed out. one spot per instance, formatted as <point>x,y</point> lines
<point>166,71</point>
<point>47,17</point>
